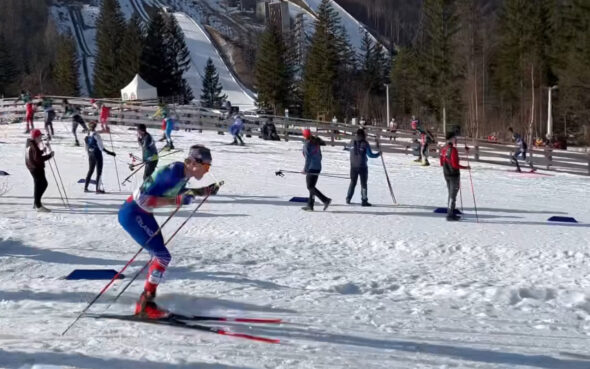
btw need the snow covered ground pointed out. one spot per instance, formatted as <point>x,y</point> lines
<point>201,49</point>
<point>382,287</point>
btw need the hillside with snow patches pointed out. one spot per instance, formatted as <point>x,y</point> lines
<point>382,287</point>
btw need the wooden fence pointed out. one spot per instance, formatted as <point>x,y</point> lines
<point>335,134</point>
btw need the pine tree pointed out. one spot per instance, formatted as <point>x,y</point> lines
<point>272,72</point>
<point>110,26</point>
<point>211,96</point>
<point>439,75</point>
<point>8,70</point>
<point>328,62</point>
<point>179,59</point>
<point>67,65</point>
<point>404,81</point>
<point>131,48</point>
<point>155,65</point>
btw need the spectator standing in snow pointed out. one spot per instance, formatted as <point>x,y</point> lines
<point>426,138</point>
<point>312,153</point>
<point>35,161</point>
<point>94,147</point>
<point>449,160</point>
<point>149,152</point>
<point>360,150</point>
<point>25,96</point>
<point>47,104</point>
<point>236,130</point>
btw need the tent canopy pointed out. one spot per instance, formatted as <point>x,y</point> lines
<point>138,89</point>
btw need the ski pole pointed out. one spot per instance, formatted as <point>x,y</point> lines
<point>281,173</point>
<point>132,174</point>
<point>165,244</point>
<point>132,166</point>
<point>57,185</point>
<point>48,145</point>
<point>115,160</point>
<point>461,196</point>
<point>106,287</point>
<point>385,170</point>
<point>472,189</point>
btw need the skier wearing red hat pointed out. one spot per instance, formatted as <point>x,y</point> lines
<point>313,167</point>
<point>35,161</point>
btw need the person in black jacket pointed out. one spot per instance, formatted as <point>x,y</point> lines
<point>149,152</point>
<point>35,161</point>
<point>359,151</point>
<point>94,147</point>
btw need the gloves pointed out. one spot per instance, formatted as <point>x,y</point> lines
<point>51,154</point>
<point>185,199</point>
<point>212,189</point>
<point>111,153</point>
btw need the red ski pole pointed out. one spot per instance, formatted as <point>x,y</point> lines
<point>106,287</point>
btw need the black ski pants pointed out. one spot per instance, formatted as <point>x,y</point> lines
<point>40,185</point>
<point>94,161</point>
<point>311,180</point>
<point>149,167</point>
<point>77,120</point>
<point>49,117</point>
<point>453,186</point>
<point>355,173</point>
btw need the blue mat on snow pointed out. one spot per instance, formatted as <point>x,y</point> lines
<point>3,173</point>
<point>298,199</point>
<point>444,211</point>
<point>562,219</point>
<point>82,180</point>
<point>78,274</point>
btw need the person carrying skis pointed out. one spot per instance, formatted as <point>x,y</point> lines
<point>47,104</point>
<point>449,160</point>
<point>312,153</point>
<point>25,96</point>
<point>166,188</point>
<point>236,130</point>
<point>35,161</point>
<point>76,119</point>
<point>149,152</point>
<point>520,152</point>
<point>426,138</point>
<point>94,147</point>
<point>360,150</point>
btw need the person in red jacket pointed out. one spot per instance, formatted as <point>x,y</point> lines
<point>449,160</point>
<point>35,161</point>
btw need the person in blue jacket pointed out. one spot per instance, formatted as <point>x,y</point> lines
<point>312,153</point>
<point>360,150</point>
<point>166,188</point>
<point>236,130</point>
<point>168,133</point>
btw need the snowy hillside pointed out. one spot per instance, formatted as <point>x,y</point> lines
<point>383,287</point>
<point>201,49</point>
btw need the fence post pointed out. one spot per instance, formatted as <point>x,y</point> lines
<point>476,153</point>
<point>286,129</point>
<point>548,157</point>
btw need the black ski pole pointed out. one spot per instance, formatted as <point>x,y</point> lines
<point>115,160</point>
<point>386,174</point>
<point>165,244</point>
<point>57,185</point>
<point>281,173</point>
<point>132,174</point>
<point>106,287</point>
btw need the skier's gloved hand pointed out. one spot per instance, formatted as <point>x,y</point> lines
<point>185,199</point>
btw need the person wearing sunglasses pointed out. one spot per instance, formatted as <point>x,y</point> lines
<point>167,187</point>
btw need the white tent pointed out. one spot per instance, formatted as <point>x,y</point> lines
<point>138,89</point>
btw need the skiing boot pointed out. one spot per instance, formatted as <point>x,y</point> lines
<point>147,308</point>
<point>327,203</point>
<point>453,218</point>
<point>77,143</point>
<point>307,208</point>
<point>347,201</point>
<point>366,203</point>
<point>43,209</point>
<point>86,189</point>
<point>425,163</point>
<point>99,191</point>
<point>418,160</point>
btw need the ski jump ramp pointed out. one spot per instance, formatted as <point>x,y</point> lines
<point>201,48</point>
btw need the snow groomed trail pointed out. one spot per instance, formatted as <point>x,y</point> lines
<point>201,49</point>
<point>383,287</point>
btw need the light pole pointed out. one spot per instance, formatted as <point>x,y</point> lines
<point>549,114</point>
<point>387,102</point>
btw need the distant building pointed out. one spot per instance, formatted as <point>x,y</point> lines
<point>275,12</point>
<point>278,15</point>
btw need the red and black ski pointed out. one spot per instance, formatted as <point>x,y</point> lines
<point>183,321</point>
